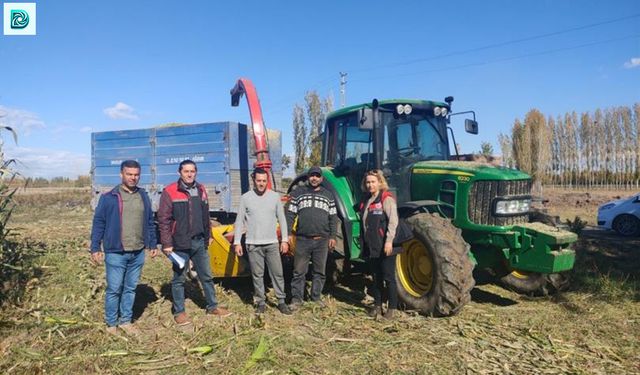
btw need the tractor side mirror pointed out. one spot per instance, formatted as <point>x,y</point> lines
<point>365,119</point>
<point>471,126</point>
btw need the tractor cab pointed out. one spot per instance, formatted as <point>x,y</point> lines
<point>391,135</point>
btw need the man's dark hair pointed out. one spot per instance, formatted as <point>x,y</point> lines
<point>129,164</point>
<point>185,162</point>
<point>257,171</point>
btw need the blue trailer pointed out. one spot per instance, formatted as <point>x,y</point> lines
<point>223,151</point>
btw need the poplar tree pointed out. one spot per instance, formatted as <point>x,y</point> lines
<point>315,115</point>
<point>299,139</point>
<point>506,148</point>
<point>307,129</point>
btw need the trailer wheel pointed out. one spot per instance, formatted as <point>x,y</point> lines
<point>434,273</point>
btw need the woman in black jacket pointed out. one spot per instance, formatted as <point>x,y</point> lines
<point>379,215</point>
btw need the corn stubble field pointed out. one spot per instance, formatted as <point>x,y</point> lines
<point>56,326</point>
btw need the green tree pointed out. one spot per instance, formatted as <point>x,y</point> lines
<point>316,114</point>
<point>486,149</point>
<point>82,181</point>
<point>286,161</point>
<point>299,139</point>
<point>506,148</point>
<point>307,130</point>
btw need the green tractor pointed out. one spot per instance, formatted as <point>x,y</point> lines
<point>464,214</point>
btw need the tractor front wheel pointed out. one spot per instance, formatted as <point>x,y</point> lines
<point>434,273</point>
<point>536,284</point>
<point>524,282</point>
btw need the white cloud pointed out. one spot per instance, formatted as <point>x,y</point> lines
<point>86,129</point>
<point>23,122</point>
<point>633,63</point>
<point>121,111</point>
<point>40,162</point>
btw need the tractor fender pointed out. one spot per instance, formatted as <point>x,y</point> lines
<point>411,208</point>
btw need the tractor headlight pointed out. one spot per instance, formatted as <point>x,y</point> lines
<point>440,111</point>
<point>404,109</point>
<point>513,206</point>
<point>607,206</point>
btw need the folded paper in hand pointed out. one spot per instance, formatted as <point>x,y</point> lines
<point>176,259</point>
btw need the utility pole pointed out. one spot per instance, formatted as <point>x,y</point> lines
<point>343,89</point>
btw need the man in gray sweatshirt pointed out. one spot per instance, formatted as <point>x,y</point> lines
<point>258,211</point>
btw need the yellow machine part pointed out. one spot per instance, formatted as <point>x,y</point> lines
<point>224,262</point>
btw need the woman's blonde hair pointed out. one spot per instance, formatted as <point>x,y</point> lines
<point>378,173</point>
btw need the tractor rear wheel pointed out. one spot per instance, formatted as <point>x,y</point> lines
<point>434,273</point>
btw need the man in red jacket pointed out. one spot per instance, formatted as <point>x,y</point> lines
<point>183,219</point>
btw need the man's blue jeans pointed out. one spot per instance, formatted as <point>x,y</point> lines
<point>200,257</point>
<point>123,273</point>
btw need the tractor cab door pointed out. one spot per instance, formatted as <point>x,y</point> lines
<point>408,140</point>
<point>350,150</point>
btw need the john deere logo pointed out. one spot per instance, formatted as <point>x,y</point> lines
<point>19,19</point>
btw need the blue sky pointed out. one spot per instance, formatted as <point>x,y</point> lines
<point>112,65</point>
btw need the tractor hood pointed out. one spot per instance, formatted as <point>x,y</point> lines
<point>477,170</point>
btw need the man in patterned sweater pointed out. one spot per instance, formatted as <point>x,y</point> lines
<point>314,207</point>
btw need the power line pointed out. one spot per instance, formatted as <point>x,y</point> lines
<point>279,105</point>
<point>284,103</point>
<point>547,52</point>
<point>495,45</point>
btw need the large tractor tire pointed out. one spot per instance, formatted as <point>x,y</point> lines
<point>434,273</point>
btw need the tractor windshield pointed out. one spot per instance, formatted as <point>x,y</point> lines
<point>413,138</point>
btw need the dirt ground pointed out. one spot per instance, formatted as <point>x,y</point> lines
<point>569,203</point>
<point>57,327</point>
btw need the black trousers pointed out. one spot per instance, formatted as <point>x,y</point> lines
<point>316,251</point>
<point>383,270</point>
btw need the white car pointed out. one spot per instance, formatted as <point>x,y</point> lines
<point>622,215</point>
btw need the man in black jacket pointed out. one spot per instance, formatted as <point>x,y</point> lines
<point>183,219</point>
<point>314,208</point>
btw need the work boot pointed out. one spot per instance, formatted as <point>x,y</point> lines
<point>182,319</point>
<point>389,314</point>
<point>295,304</point>
<point>220,312</point>
<point>284,309</point>
<point>113,330</point>
<point>129,329</point>
<point>374,311</point>
<point>261,308</point>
